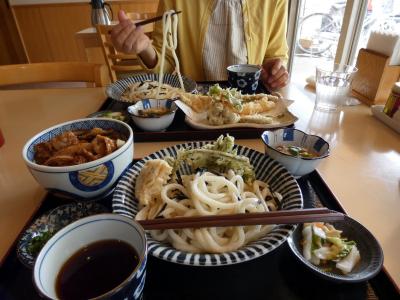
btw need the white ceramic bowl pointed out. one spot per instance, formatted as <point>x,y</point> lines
<point>152,123</point>
<point>81,233</point>
<point>75,181</point>
<point>298,166</point>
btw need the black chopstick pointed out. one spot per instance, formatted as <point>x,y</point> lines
<point>152,20</point>
<point>265,218</point>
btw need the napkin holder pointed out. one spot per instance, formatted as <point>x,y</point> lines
<point>375,77</point>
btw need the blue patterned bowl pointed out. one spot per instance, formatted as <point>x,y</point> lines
<point>87,180</point>
<point>266,169</point>
<point>371,252</point>
<point>81,233</point>
<point>156,123</point>
<point>52,222</point>
<point>296,165</point>
<point>244,77</point>
<point>116,89</point>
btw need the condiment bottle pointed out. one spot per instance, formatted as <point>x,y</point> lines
<point>393,102</point>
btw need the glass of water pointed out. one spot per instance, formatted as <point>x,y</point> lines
<point>333,86</point>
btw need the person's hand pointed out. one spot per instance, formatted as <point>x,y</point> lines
<point>274,74</point>
<point>128,38</point>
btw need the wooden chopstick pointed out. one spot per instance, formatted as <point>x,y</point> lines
<point>265,218</point>
<point>152,20</point>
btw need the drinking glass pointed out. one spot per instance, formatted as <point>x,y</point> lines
<point>333,86</point>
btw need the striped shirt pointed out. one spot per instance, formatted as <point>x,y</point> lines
<point>224,43</point>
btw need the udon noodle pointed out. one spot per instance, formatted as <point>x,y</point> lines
<point>170,41</point>
<point>205,194</point>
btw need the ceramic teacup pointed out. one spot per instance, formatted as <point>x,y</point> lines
<point>66,242</point>
<point>244,77</point>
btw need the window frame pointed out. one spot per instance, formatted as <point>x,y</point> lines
<point>352,23</point>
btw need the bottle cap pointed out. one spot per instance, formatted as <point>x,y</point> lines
<point>396,88</point>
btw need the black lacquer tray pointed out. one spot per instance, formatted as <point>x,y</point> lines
<point>179,130</point>
<point>277,275</point>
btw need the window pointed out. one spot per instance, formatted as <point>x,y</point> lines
<point>322,32</point>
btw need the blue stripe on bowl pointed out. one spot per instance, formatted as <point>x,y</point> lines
<point>116,89</point>
<point>266,170</point>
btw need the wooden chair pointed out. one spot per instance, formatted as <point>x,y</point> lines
<point>53,72</point>
<point>119,63</point>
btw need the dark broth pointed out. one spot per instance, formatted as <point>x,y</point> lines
<point>96,269</point>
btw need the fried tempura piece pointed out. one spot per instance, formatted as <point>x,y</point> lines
<point>258,119</point>
<point>257,106</point>
<point>199,103</point>
<point>153,176</point>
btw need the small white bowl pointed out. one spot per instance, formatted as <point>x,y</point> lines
<point>83,180</point>
<point>296,165</point>
<point>152,123</point>
<point>81,233</point>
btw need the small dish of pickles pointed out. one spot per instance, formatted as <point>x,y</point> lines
<point>153,114</point>
<point>299,152</point>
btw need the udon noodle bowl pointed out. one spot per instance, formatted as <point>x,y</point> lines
<point>212,180</point>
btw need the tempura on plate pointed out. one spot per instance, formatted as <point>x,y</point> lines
<point>229,106</point>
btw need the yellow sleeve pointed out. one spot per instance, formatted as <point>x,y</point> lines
<point>157,37</point>
<point>277,44</point>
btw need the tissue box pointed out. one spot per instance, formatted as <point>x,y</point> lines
<point>374,80</point>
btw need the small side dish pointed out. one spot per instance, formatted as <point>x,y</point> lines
<point>152,114</point>
<point>300,153</point>
<point>47,225</point>
<point>324,246</point>
<point>339,255</point>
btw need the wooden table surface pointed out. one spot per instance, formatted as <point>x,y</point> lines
<point>363,170</point>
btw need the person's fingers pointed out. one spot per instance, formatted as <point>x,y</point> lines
<point>280,82</point>
<point>122,16</point>
<point>277,75</point>
<point>276,66</point>
<point>123,22</point>
<point>123,35</point>
<point>130,43</point>
<point>142,43</point>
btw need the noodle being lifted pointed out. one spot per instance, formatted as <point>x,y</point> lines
<point>154,89</point>
<point>220,182</point>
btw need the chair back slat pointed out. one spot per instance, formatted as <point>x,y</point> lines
<point>52,72</point>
